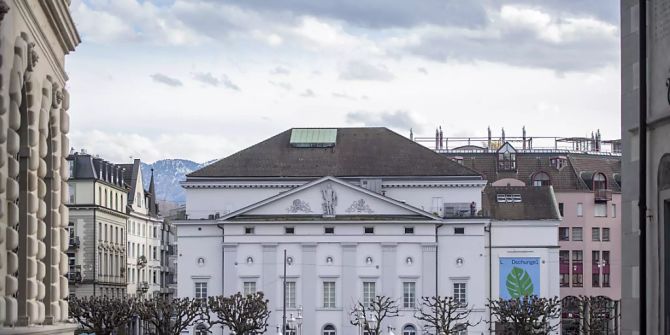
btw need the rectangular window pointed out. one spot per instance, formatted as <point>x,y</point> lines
<point>560,208</point>
<point>329,230</point>
<point>437,205</point>
<point>460,294</point>
<point>369,230</point>
<point>595,271</point>
<point>564,267</point>
<point>606,234</point>
<point>409,230</point>
<point>577,233</point>
<point>580,209</point>
<point>369,292</point>
<point>329,294</point>
<point>595,234</point>
<point>613,210</point>
<point>290,294</point>
<point>577,268</point>
<point>71,193</point>
<point>249,230</point>
<point>563,234</point>
<point>201,291</point>
<point>289,230</point>
<point>249,287</point>
<point>409,294</point>
<point>600,210</point>
<point>459,231</point>
<point>606,268</point>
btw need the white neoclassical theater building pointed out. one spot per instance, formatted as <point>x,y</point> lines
<point>359,211</point>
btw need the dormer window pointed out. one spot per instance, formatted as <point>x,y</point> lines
<point>507,158</point>
<point>541,179</point>
<point>599,182</point>
<point>559,162</point>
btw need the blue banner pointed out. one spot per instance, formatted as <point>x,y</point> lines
<point>519,277</point>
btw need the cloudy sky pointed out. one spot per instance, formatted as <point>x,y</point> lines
<point>200,79</point>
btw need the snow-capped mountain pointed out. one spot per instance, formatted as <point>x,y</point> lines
<point>168,173</point>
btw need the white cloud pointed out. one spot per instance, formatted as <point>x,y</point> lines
<point>126,146</point>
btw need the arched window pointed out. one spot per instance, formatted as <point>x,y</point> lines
<point>599,182</point>
<point>329,330</point>
<point>541,179</point>
<point>200,329</point>
<point>507,158</point>
<point>409,330</point>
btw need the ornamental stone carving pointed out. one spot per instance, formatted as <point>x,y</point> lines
<point>4,8</point>
<point>32,56</point>
<point>329,200</point>
<point>299,206</point>
<point>360,206</point>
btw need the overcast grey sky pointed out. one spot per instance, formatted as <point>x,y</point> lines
<point>201,79</point>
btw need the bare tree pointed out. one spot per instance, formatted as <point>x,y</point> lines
<point>242,314</point>
<point>101,314</point>
<point>445,315</point>
<point>370,315</point>
<point>525,315</point>
<point>596,314</point>
<point>170,316</point>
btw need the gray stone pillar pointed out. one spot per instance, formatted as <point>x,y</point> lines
<point>268,283</point>
<point>389,271</point>
<point>310,284</point>
<point>229,269</point>
<point>428,270</point>
<point>349,285</point>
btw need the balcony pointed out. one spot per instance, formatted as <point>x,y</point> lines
<point>141,261</point>
<point>602,195</point>
<point>459,210</point>
<point>74,243</point>
<point>74,275</point>
<point>143,287</point>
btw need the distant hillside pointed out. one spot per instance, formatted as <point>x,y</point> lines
<point>168,173</point>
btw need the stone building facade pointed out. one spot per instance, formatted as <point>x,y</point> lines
<point>97,227</point>
<point>360,212</point>
<point>656,279</point>
<point>35,36</point>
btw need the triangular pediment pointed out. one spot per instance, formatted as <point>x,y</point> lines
<point>330,197</point>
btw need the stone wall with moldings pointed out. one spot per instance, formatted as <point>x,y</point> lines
<point>35,35</point>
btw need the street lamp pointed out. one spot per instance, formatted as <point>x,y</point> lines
<point>299,319</point>
<point>361,320</point>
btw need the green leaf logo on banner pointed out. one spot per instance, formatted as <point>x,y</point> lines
<point>519,283</point>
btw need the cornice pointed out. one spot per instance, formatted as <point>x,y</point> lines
<point>27,12</point>
<point>61,22</point>
<point>240,185</point>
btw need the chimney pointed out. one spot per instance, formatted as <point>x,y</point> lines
<point>441,138</point>
<point>523,130</point>
<point>437,135</point>
<point>411,135</point>
<point>503,136</point>
<point>489,132</point>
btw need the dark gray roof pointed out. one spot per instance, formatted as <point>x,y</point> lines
<point>569,178</point>
<point>130,174</point>
<point>89,167</point>
<point>537,203</point>
<point>357,152</point>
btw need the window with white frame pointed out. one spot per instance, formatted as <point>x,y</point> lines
<point>409,330</point>
<point>249,287</point>
<point>408,294</point>
<point>460,294</point>
<point>600,210</point>
<point>613,210</point>
<point>290,294</point>
<point>329,294</point>
<point>329,330</point>
<point>580,209</point>
<point>201,290</point>
<point>369,292</point>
